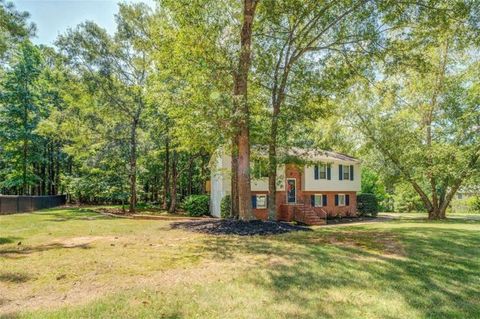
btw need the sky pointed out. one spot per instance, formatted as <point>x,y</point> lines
<point>54,17</point>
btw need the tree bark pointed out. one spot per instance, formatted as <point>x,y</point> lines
<point>241,107</point>
<point>173,192</point>
<point>166,177</point>
<point>133,166</point>
<point>234,179</point>
<point>272,167</point>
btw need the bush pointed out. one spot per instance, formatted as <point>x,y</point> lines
<point>367,204</point>
<point>225,206</point>
<point>466,205</point>
<point>197,205</point>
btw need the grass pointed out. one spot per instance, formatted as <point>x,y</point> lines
<point>73,263</point>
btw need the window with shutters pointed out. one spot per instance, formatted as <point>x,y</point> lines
<point>318,200</point>
<point>346,172</point>
<point>341,199</point>
<point>322,171</point>
<point>261,201</point>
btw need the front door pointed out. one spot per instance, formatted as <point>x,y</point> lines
<point>291,191</point>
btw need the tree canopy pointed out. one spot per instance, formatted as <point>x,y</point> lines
<point>135,116</point>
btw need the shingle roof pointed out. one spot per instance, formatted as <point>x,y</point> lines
<point>309,154</point>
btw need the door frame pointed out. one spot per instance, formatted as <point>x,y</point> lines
<point>296,191</point>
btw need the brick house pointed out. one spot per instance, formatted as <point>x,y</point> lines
<point>311,184</point>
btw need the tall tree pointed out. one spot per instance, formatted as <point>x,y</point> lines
<point>20,110</point>
<point>14,27</point>
<point>118,66</point>
<point>241,140</point>
<point>300,44</point>
<point>421,110</point>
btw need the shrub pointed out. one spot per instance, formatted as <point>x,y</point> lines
<point>466,205</point>
<point>225,206</point>
<point>197,205</point>
<point>367,204</point>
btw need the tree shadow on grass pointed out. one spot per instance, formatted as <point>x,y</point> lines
<point>15,277</point>
<point>62,215</point>
<point>24,251</point>
<point>9,240</point>
<point>435,271</point>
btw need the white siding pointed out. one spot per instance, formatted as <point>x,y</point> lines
<point>258,185</point>
<point>221,184</point>
<point>334,184</point>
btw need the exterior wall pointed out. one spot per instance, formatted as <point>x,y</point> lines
<point>218,184</point>
<point>334,184</point>
<point>261,184</point>
<point>306,186</point>
<point>330,208</point>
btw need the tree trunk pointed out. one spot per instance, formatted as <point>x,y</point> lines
<point>166,177</point>
<point>25,150</point>
<point>190,177</point>
<point>133,166</point>
<point>234,179</point>
<point>203,172</point>
<point>240,103</point>
<point>57,171</point>
<point>173,191</point>
<point>272,167</point>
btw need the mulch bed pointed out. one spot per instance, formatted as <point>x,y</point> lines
<point>238,227</point>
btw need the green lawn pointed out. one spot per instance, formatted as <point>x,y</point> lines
<point>70,263</point>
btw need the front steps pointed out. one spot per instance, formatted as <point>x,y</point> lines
<point>306,215</point>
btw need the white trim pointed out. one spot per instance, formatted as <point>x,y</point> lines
<point>344,199</point>
<point>264,206</point>
<point>286,190</point>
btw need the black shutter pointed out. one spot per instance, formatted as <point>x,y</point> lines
<point>347,200</point>
<point>312,200</point>
<point>336,200</point>
<point>340,172</point>
<point>351,172</point>
<point>254,201</point>
<point>329,171</point>
<point>324,198</point>
<point>315,170</point>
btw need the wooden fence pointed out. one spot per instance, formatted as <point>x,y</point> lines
<point>19,204</point>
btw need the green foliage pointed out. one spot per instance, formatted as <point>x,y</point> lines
<point>13,26</point>
<point>225,206</point>
<point>367,204</point>
<point>470,204</point>
<point>420,110</point>
<point>22,106</point>
<point>406,199</point>
<point>197,205</point>
<point>372,184</point>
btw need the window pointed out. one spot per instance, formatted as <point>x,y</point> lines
<point>321,171</point>
<point>261,201</point>
<point>318,202</point>
<point>341,199</point>
<point>346,172</point>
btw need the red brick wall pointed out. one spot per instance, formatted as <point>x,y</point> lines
<point>331,209</point>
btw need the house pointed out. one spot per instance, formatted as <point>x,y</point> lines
<point>311,184</point>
